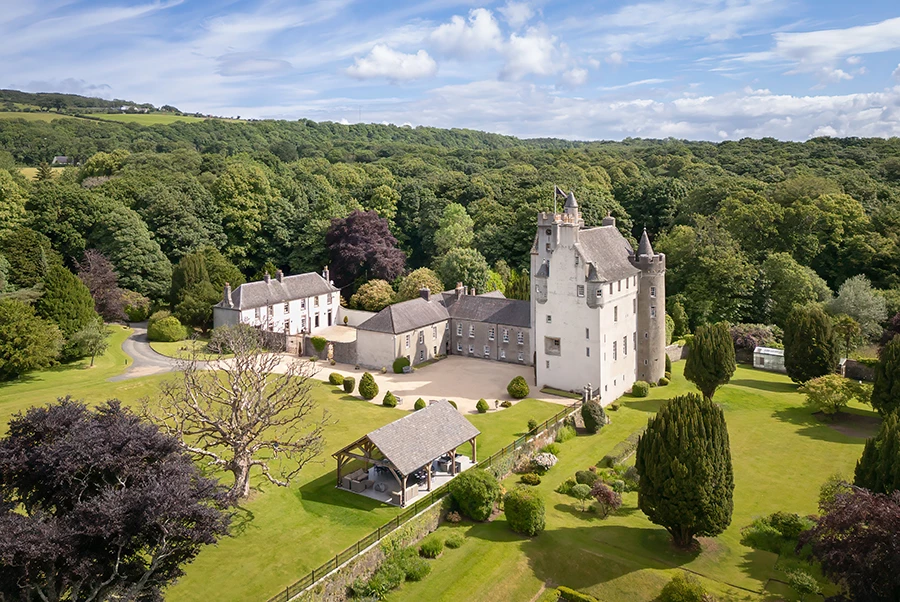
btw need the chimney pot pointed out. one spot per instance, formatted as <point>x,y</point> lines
<point>472,291</point>
<point>425,293</point>
<point>227,295</point>
<point>609,220</point>
<point>267,278</point>
<point>279,275</point>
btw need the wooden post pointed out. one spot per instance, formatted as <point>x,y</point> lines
<point>428,472</point>
<point>474,459</point>
<point>340,468</point>
<point>453,462</point>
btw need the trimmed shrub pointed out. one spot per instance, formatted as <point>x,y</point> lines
<point>506,403</point>
<point>389,401</point>
<point>475,491</point>
<point>803,583</point>
<point>416,568</point>
<point>613,407</point>
<point>531,478</point>
<point>482,406</point>
<point>157,316</point>
<point>608,500</point>
<point>319,343</point>
<point>136,306</point>
<point>349,384</point>
<point>368,388</point>
<point>668,375</point>
<point>455,540</point>
<point>420,404</point>
<point>593,416</point>
<point>399,364</point>
<point>570,595</point>
<point>543,462</point>
<point>532,424</point>
<point>622,450</point>
<point>336,379</point>
<point>640,389</point>
<point>566,487</point>
<point>683,587</point>
<point>668,363</point>
<point>551,448</point>
<point>524,511</point>
<point>586,477</point>
<point>453,403</point>
<point>518,388</point>
<point>663,382</point>
<point>167,329</point>
<point>582,493</point>
<point>431,547</point>
<point>565,433</point>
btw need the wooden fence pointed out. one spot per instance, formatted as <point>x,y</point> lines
<point>410,512</point>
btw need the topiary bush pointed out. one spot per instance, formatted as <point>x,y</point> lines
<point>593,416</point>
<point>420,404</point>
<point>668,375</point>
<point>474,492</point>
<point>530,478</point>
<point>518,388</point>
<point>157,316</point>
<point>506,403</point>
<point>167,329</point>
<point>455,540</point>
<point>368,388</point>
<point>663,382</point>
<point>482,406</point>
<point>319,343</point>
<point>336,379</point>
<point>524,511</point>
<point>640,389</point>
<point>668,363</point>
<point>432,547</point>
<point>390,400</point>
<point>683,587</point>
<point>565,433</point>
<point>566,487</point>
<point>349,384</point>
<point>586,477</point>
<point>399,364</point>
<point>532,424</point>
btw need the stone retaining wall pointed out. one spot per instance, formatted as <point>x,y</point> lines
<point>677,352</point>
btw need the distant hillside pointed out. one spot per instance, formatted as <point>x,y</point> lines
<point>16,99</point>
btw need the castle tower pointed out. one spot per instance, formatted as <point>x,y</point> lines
<point>651,312</point>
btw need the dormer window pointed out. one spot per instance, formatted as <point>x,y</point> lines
<point>579,290</point>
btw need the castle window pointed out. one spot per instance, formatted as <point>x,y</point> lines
<point>551,346</point>
<point>459,346</point>
<point>634,339</point>
<point>487,351</point>
<point>302,303</point>
<point>256,313</point>
<point>579,290</point>
<point>616,313</point>
<point>506,335</point>
<point>491,333</point>
<point>652,311</point>
<point>548,231</point>
<point>407,341</point>
<point>471,331</point>
<point>548,246</point>
<point>610,288</point>
<point>549,319</point>
<point>459,330</point>
<point>653,292</point>
<point>587,351</point>
<point>316,302</point>
<point>645,362</point>
<point>537,289</point>
<point>434,350</point>
<point>330,299</point>
<point>627,283</point>
<point>577,260</point>
<point>421,336</point>
<point>269,311</point>
<point>521,357</point>
<point>615,354</point>
<point>471,349</point>
<point>287,308</point>
<point>548,364</point>
<point>620,286</point>
<point>421,355</point>
<point>317,320</point>
<point>634,306</point>
<point>625,346</point>
<point>521,338</point>
<point>587,333</point>
<point>434,332</point>
<point>646,335</point>
<point>503,354</point>
<point>599,292</point>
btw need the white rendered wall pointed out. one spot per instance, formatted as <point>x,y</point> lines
<point>375,349</point>
<point>619,373</point>
<point>302,314</point>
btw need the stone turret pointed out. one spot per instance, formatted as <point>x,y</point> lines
<point>651,315</point>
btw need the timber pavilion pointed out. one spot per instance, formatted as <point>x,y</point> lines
<point>418,450</point>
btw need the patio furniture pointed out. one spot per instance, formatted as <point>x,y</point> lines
<point>355,481</point>
<point>380,487</point>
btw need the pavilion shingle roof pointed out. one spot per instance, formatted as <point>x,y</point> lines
<point>418,438</point>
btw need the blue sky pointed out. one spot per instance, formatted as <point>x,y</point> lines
<point>697,69</point>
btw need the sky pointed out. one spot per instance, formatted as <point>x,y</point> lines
<point>586,70</point>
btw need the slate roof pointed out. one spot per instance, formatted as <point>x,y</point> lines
<point>261,293</point>
<point>644,247</point>
<point>494,294</point>
<point>509,312</point>
<point>406,316</point>
<point>608,250</point>
<point>418,438</point>
<point>769,351</point>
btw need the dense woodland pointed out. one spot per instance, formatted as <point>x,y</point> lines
<point>751,227</point>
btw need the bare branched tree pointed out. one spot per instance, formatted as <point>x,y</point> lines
<point>238,413</point>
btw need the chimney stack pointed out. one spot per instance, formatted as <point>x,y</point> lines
<point>267,278</point>
<point>609,220</point>
<point>326,275</point>
<point>425,293</point>
<point>460,290</point>
<point>279,275</point>
<point>227,296</point>
<point>472,291</point>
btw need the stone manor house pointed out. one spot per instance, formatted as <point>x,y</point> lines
<point>596,315</point>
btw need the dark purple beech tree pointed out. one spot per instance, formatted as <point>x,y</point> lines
<point>99,275</point>
<point>361,247</point>
<point>97,505</point>
<point>858,543</point>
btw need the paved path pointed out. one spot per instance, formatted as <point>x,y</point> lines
<point>146,361</point>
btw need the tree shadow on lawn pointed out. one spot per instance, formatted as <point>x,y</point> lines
<point>643,405</point>
<point>29,377</point>
<point>323,491</point>
<point>593,517</point>
<point>764,385</point>
<point>812,427</point>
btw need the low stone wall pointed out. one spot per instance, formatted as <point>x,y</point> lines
<point>355,317</point>
<point>855,370</point>
<point>677,352</point>
<point>342,353</point>
<point>334,587</point>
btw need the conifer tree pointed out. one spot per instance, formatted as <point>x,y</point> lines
<point>684,460</point>
<point>886,391</point>
<point>710,363</point>
<point>44,172</point>
<point>878,470</point>
<point>810,348</point>
<point>680,318</point>
<point>68,303</point>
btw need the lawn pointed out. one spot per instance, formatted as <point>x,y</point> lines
<point>33,116</point>
<point>178,349</point>
<point>781,455</point>
<point>280,533</point>
<point>145,119</point>
<point>31,172</point>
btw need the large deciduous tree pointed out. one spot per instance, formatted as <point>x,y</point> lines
<point>878,470</point>
<point>454,231</point>
<point>99,275</point>
<point>857,542</point>
<point>241,414</point>
<point>374,295</point>
<point>68,303</point>
<point>886,390</point>
<point>710,363</point>
<point>98,505</point>
<point>787,284</point>
<point>27,342</point>
<point>30,256</point>
<point>856,298</point>
<point>467,266</point>
<point>810,347</point>
<point>684,460</point>
<point>415,281</point>
<point>362,246</point>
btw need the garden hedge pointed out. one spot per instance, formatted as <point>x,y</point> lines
<point>420,404</point>
<point>593,416</point>
<point>640,389</point>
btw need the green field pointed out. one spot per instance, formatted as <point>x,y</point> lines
<point>280,534</point>
<point>145,119</point>
<point>30,172</point>
<point>781,455</point>
<point>49,116</point>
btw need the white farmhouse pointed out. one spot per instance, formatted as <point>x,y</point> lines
<point>299,304</point>
<point>597,307</point>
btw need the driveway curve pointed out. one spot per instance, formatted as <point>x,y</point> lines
<point>146,362</point>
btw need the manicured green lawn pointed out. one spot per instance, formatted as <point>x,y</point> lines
<point>280,533</point>
<point>781,455</point>
<point>178,349</point>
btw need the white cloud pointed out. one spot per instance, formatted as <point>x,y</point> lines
<point>826,46</point>
<point>386,62</point>
<point>468,38</point>
<point>615,58</point>
<point>825,130</point>
<point>828,75</point>
<point>535,52</point>
<point>896,73</point>
<point>575,77</point>
<point>517,14</point>
<point>640,82</point>
<point>854,60</point>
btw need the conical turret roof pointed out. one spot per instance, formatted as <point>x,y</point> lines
<point>571,203</point>
<point>644,247</point>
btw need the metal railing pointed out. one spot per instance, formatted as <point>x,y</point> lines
<point>410,512</point>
